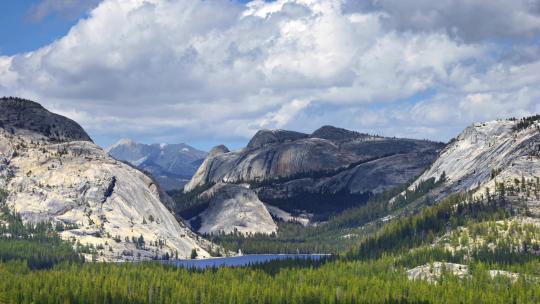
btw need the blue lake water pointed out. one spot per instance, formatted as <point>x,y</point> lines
<point>243,260</point>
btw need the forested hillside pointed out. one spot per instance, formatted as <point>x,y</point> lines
<point>340,232</point>
<point>498,253</point>
<point>314,176</point>
<point>36,245</point>
<point>381,280</point>
<point>405,245</point>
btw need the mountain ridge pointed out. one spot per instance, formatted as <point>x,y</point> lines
<point>304,173</point>
<point>486,152</point>
<point>23,116</point>
<point>172,165</point>
<point>67,180</point>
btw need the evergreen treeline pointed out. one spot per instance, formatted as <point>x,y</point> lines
<point>334,236</point>
<point>37,267</point>
<point>375,281</point>
<point>37,245</point>
<point>189,204</point>
<point>413,231</point>
<point>38,255</point>
<point>525,122</point>
<point>321,203</point>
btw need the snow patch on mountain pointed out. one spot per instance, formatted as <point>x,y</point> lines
<point>171,164</point>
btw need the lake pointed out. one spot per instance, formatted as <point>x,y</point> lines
<point>242,260</point>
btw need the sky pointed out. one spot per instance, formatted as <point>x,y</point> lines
<point>216,71</point>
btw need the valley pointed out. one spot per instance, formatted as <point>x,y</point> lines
<point>270,151</point>
<point>405,221</point>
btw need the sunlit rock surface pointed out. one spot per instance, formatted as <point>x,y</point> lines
<point>235,208</point>
<point>488,153</point>
<point>68,179</point>
<point>324,167</point>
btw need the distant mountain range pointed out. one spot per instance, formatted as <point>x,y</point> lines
<point>172,165</point>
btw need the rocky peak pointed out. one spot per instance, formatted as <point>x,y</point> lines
<point>300,174</point>
<point>120,143</point>
<point>172,165</point>
<point>484,150</point>
<point>21,116</point>
<point>336,134</point>
<point>53,173</point>
<point>266,137</point>
<point>217,150</point>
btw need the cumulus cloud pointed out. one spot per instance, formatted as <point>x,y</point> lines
<point>470,20</point>
<point>220,70</point>
<point>66,8</point>
<point>284,115</point>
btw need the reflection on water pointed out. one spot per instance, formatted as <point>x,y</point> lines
<point>244,260</point>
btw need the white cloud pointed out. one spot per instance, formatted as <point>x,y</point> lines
<point>8,77</point>
<point>66,8</point>
<point>285,114</point>
<point>221,69</point>
<point>470,20</point>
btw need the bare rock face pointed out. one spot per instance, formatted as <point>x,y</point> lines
<point>290,158</point>
<point>488,153</point>
<point>21,116</point>
<point>217,150</point>
<point>235,208</point>
<point>432,272</point>
<point>104,202</point>
<point>327,171</point>
<point>337,134</point>
<point>373,177</point>
<point>268,137</point>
